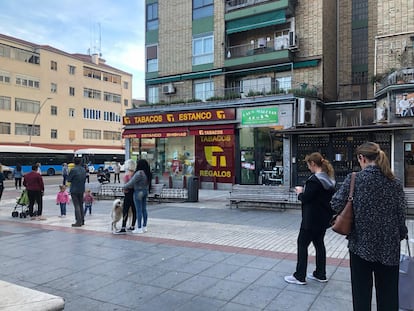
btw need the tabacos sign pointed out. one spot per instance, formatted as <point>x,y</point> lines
<point>179,117</point>
<point>215,157</point>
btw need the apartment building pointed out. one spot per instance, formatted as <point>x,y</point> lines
<point>239,91</point>
<point>54,99</point>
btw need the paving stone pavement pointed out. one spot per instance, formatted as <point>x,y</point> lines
<point>195,256</point>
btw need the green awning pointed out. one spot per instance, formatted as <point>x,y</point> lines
<point>256,21</point>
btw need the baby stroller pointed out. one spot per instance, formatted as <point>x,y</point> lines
<point>22,204</point>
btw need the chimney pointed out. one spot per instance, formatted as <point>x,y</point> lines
<point>95,58</point>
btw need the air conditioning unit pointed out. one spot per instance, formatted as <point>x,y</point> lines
<point>292,39</point>
<point>168,89</point>
<point>308,113</point>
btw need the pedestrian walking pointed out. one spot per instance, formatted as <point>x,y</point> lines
<point>62,199</point>
<point>87,173</point>
<point>35,187</point>
<point>18,175</point>
<point>88,201</point>
<point>130,167</point>
<point>379,208</point>
<point>316,214</point>
<point>141,182</point>
<point>65,173</point>
<point>117,172</point>
<point>77,178</point>
<point>2,178</point>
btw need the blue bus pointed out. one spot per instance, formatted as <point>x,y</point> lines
<point>99,158</point>
<point>51,160</point>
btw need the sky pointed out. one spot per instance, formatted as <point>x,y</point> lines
<point>115,27</point>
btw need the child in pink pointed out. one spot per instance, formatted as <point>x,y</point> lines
<point>62,198</point>
<point>88,200</point>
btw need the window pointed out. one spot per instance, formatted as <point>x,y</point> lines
<point>126,102</point>
<point>153,95</point>
<point>110,97</point>
<point>72,70</point>
<point>27,129</point>
<point>5,103</point>
<point>53,134</point>
<point>91,134</point>
<point>71,91</point>
<point>5,50</point>
<point>5,128</point>
<point>284,83</point>
<point>72,112</point>
<point>202,8</point>
<point>112,116</point>
<point>4,77</point>
<point>92,114</point>
<point>126,85</point>
<point>203,50</point>
<point>111,135</point>
<point>53,65</point>
<point>152,58</point>
<point>26,56</point>
<point>27,81</point>
<point>53,87</point>
<point>282,39</point>
<point>204,90</point>
<point>53,110</point>
<point>91,93</point>
<point>152,16</point>
<point>25,105</point>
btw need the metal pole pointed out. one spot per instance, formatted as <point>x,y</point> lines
<point>34,120</point>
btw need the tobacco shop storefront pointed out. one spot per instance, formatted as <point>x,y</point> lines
<point>188,143</point>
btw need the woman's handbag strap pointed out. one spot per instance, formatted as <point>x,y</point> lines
<point>352,187</point>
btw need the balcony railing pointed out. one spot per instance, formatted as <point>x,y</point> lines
<point>268,45</point>
<point>238,4</point>
<point>401,76</point>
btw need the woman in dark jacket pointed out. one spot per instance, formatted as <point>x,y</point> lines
<point>316,214</point>
<point>379,225</point>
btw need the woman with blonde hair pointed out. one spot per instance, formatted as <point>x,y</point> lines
<point>316,214</point>
<point>379,207</point>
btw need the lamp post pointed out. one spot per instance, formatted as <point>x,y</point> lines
<point>34,120</point>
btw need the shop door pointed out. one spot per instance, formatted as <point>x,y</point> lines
<point>248,167</point>
<point>409,164</point>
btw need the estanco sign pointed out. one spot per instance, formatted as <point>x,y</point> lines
<point>179,117</point>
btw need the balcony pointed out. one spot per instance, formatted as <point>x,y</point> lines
<point>400,76</point>
<point>262,52</point>
<point>232,5</point>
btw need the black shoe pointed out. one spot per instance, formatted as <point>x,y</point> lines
<point>131,229</point>
<point>76,225</point>
<point>122,231</point>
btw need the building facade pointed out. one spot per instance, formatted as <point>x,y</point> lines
<point>50,98</point>
<point>240,91</point>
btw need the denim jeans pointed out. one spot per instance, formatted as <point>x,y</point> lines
<point>140,201</point>
<point>62,208</point>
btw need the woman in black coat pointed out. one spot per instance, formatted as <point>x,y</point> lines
<point>316,214</point>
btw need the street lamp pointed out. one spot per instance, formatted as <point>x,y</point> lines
<point>34,120</point>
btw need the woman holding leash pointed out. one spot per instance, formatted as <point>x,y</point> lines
<point>141,182</point>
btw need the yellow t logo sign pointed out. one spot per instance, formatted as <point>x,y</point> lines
<point>212,159</point>
<point>220,114</point>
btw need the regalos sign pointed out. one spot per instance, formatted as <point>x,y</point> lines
<point>215,156</point>
<point>180,117</point>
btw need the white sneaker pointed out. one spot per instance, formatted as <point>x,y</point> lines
<point>138,230</point>
<point>144,229</point>
<point>292,280</point>
<point>312,277</point>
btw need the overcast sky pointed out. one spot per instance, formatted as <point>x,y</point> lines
<point>117,28</point>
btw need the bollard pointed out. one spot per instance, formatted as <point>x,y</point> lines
<point>170,182</point>
<point>184,182</point>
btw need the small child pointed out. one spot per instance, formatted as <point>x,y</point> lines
<point>62,198</point>
<point>88,200</point>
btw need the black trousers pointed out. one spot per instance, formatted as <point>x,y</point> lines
<point>306,236</point>
<point>35,197</point>
<point>363,273</point>
<point>129,202</point>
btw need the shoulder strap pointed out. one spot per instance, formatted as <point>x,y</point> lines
<point>351,187</point>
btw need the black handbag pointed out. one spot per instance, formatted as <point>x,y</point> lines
<point>342,222</point>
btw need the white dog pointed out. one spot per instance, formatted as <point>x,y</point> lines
<point>116,214</point>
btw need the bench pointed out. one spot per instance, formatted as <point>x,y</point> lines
<point>155,193</point>
<point>262,196</point>
<point>115,191</point>
<point>175,194</point>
